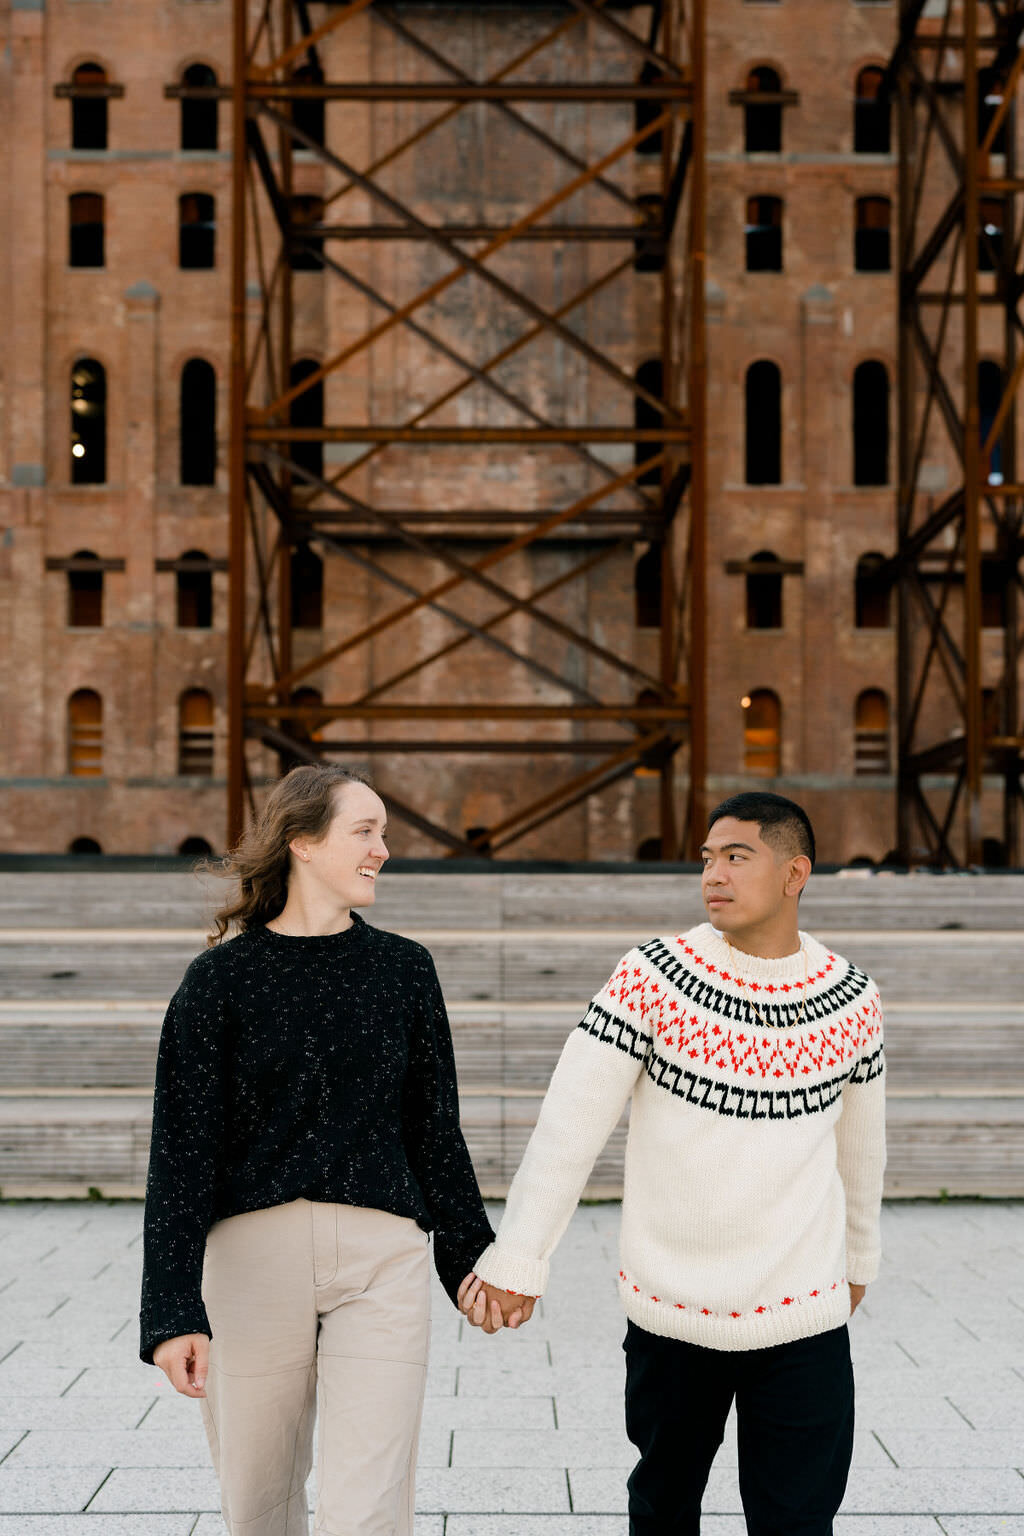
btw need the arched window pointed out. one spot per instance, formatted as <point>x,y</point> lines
<point>763,119</point>
<point>88,422</point>
<point>308,111</point>
<point>991,220</point>
<point>647,588</point>
<point>991,86</point>
<point>762,733</point>
<point>871,424</point>
<point>88,112</point>
<point>871,241</point>
<point>85,229</point>
<point>993,592</point>
<point>305,252</point>
<point>763,424</point>
<point>990,396</point>
<point>197,419</point>
<point>871,131</point>
<point>85,591</point>
<point>871,733</point>
<point>872,596</point>
<point>310,727</point>
<point>84,845</point>
<point>195,847</point>
<point>650,377</point>
<point>85,734</point>
<point>195,734</point>
<point>650,246</point>
<point>194,591</point>
<point>644,112</point>
<point>307,410</point>
<point>764,234</point>
<point>197,231</point>
<point>764,593</point>
<point>199,113</point>
<point>307,588</point>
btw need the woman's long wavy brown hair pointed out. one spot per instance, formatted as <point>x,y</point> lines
<point>299,805</point>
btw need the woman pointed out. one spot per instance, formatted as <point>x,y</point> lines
<point>305,1141</point>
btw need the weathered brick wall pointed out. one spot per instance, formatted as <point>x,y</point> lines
<point>142,317</point>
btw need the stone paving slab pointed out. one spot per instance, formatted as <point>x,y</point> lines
<point>523,1434</point>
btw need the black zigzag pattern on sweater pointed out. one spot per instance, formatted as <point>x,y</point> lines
<point>606,1026</point>
<point>743,1103</point>
<point>841,995</point>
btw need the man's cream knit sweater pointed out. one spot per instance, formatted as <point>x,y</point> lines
<point>756,1146</point>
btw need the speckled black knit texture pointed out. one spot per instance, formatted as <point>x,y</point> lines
<point>319,1068</point>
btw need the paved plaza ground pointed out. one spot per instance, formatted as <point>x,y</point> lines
<point>523,1432</point>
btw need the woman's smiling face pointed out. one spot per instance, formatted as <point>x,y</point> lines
<point>347,859</point>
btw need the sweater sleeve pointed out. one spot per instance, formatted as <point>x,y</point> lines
<point>434,1143</point>
<point>591,1084</point>
<point>860,1143</point>
<point>188,1127</point>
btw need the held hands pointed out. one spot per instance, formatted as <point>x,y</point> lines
<point>490,1309</point>
<point>185,1361</point>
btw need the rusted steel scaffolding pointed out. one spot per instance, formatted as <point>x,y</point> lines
<point>281,500</point>
<point>956,74</point>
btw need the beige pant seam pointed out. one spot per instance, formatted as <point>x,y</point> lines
<point>377,1359</point>
<point>281,1504</point>
<point>286,1370</point>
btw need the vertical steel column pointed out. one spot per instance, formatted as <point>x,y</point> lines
<point>236,440</point>
<point>697,392</point>
<point>972,447</point>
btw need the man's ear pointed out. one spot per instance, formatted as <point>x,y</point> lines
<point>797,875</point>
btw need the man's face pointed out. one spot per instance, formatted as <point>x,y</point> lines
<point>744,879</point>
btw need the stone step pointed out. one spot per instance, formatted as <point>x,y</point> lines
<point>67,1145</point>
<point>637,896</point>
<point>947,1047</point>
<point>505,965</point>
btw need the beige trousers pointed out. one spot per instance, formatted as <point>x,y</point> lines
<point>318,1312</point>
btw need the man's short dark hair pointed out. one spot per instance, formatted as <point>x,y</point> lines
<point>783,824</point>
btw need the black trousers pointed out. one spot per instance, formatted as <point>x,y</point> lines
<point>794,1410</point>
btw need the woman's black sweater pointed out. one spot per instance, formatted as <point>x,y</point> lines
<point>317,1068</point>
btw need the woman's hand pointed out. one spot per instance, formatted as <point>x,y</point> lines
<point>856,1297</point>
<point>185,1362</point>
<point>490,1309</point>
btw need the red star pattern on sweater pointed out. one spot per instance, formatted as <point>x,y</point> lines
<point>765,1308</point>
<point>809,1050</point>
<point>750,1053</point>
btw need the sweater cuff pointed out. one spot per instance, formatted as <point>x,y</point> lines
<point>170,1319</point>
<point>510,1272</point>
<point>862,1268</point>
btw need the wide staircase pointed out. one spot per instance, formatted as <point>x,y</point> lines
<point>88,961</point>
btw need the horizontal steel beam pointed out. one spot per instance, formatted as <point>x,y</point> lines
<point>652,713</point>
<point>581,748</point>
<point>398,434</point>
<point>460,90</point>
<point>536,232</point>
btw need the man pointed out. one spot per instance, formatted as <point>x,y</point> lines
<point>750,1213</point>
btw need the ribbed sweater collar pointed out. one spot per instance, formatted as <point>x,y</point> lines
<point>314,944</point>
<point>789,968</point>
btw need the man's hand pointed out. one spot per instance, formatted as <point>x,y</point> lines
<point>185,1362</point>
<point>856,1297</point>
<point>490,1309</point>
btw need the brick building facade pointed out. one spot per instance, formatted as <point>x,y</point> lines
<point>113,588</point>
